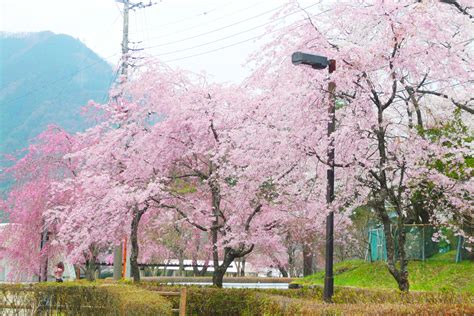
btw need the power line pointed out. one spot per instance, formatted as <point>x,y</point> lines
<point>231,45</point>
<point>243,41</point>
<point>181,58</point>
<point>211,21</point>
<point>216,30</point>
<point>195,15</point>
<point>113,78</point>
<point>230,36</point>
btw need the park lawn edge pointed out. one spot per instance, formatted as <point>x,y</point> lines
<point>437,274</point>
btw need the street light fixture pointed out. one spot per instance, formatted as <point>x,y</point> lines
<point>321,62</point>
<point>315,61</point>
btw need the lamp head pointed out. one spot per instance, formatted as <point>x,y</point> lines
<point>315,61</point>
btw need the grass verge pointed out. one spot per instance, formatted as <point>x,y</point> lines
<point>438,274</point>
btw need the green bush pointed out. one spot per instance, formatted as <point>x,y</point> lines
<point>346,295</point>
<point>308,301</point>
<point>130,300</point>
<point>76,298</point>
<point>290,306</point>
<point>71,299</point>
<point>210,300</point>
<point>80,299</point>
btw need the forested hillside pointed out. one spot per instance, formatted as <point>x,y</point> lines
<point>46,78</point>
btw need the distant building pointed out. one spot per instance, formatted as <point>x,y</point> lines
<point>172,268</point>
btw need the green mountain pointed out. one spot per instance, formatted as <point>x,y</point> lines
<point>46,78</point>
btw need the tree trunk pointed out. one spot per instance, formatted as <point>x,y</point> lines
<point>134,269</point>
<point>237,266</point>
<point>242,268</point>
<point>307,260</point>
<point>77,271</point>
<point>196,271</point>
<point>215,257</point>
<point>291,260</point>
<point>43,273</point>
<point>90,269</point>
<point>204,268</point>
<point>229,256</point>
<point>219,271</point>
<point>218,276</point>
<point>44,270</point>
<point>181,271</point>
<point>400,275</point>
<point>283,271</point>
<point>229,253</point>
<point>385,193</point>
<point>195,266</point>
<point>402,281</point>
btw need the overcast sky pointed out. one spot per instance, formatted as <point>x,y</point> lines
<point>176,30</point>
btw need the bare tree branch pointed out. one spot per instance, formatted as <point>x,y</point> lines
<point>464,106</point>
<point>458,7</point>
<point>249,219</point>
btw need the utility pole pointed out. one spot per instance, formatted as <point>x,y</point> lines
<point>126,10</point>
<point>121,250</point>
<point>118,268</point>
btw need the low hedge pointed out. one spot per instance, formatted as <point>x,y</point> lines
<point>278,305</point>
<point>141,299</point>
<point>308,301</point>
<point>346,295</point>
<point>130,300</point>
<point>80,299</point>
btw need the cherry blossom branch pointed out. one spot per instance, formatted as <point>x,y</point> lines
<point>394,80</point>
<point>314,153</point>
<point>458,7</point>
<point>249,219</point>
<point>180,212</point>
<point>464,106</point>
<point>214,132</point>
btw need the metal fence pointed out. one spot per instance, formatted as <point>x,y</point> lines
<point>418,244</point>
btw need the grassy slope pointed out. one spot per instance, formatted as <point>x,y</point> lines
<point>439,273</point>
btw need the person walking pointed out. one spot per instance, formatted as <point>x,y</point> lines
<point>58,272</point>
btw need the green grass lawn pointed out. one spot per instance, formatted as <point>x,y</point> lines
<point>439,273</point>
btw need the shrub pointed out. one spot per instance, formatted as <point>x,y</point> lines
<point>47,297</point>
<point>141,299</point>
<point>308,301</point>
<point>130,300</point>
<point>80,299</point>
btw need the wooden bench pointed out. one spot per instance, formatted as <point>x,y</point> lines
<point>182,300</point>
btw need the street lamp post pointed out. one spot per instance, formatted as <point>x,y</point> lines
<point>321,62</point>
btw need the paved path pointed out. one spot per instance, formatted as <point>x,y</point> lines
<point>259,285</point>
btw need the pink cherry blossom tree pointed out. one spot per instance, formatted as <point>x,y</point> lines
<point>402,66</point>
<point>25,238</point>
<point>243,186</point>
